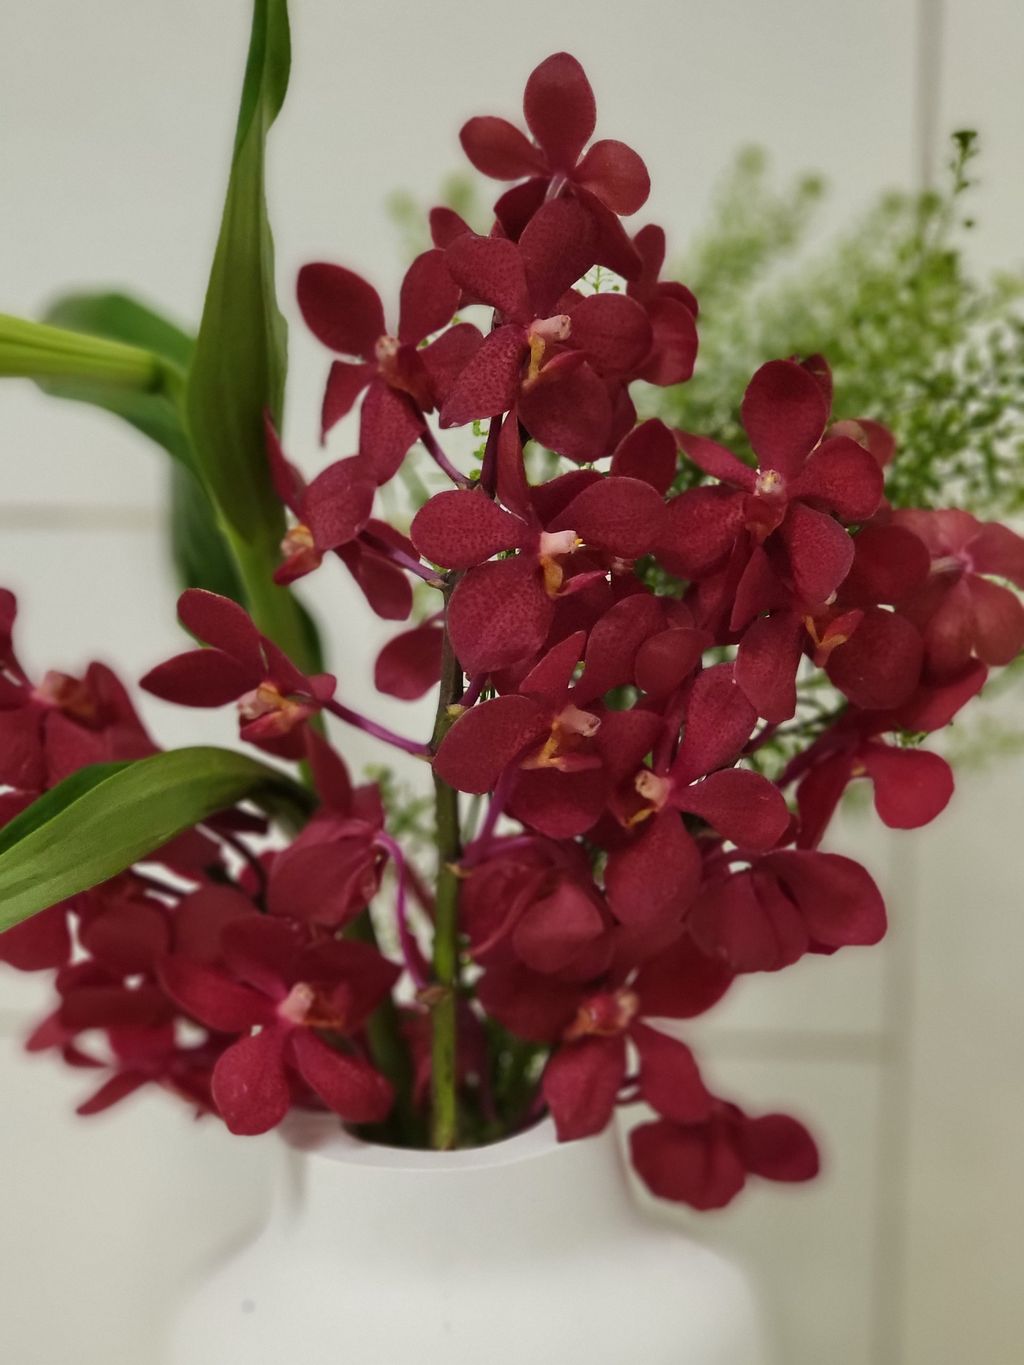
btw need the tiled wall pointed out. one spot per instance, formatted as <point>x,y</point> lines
<point>907,1059</point>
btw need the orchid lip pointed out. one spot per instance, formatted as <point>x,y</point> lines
<point>769,484</point>
<point>553,329</point>
<point>386,348</point>
<point>557,543</point>
<point>296,1005</point>
<point>653,788</point>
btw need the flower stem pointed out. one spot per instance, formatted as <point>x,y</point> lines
<point>414,963</point>
<point>399,557</point>
<point>441,459</point>
<point>444,1115</point>
<point>372,727</point>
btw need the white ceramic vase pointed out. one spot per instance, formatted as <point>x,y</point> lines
<point>524,1253</point>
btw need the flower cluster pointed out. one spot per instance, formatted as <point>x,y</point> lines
<point>615,663</point>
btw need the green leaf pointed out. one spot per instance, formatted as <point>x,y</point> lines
<point>241,352</point>
<point>106,817</point>
<point>117,318</point>
<point>201,554</point>
<point>128,379</point>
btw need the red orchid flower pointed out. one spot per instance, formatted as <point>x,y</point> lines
<point>783,904</point>
<point>783,522</point>
<point>500,613</point>
<point>531,902</point>
<point>671,310</point>
<point>561,758</point>
<point>594,1023</point>
<point>274,698</point>
<point>298,994</point>
<point>959,611</point>
<point>333,513</point>
<point>51,729</point>
<point>873,657</point>
<point>706,1164</point>
<point>561,113</point>
<point>653,874</point>
<point>552,348</point>
<point>403,379</point>
<point>911,786</point>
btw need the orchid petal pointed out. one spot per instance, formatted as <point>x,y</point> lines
<point>784,412</point>
<point>560,109</point>
<point>341,309</point>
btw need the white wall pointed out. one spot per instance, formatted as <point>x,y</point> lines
<point>116,119</point>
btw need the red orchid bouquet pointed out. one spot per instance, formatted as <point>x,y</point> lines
<point>654,698</point>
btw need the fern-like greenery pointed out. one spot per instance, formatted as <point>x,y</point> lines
<point>916,340</point>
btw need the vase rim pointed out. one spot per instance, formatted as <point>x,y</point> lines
<point>321,1135</point>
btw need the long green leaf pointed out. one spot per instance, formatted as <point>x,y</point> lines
<point>114,317</point>
<point>103,819</point>
<point>238,370</point>
<point>201,554</point>
<point>114,373</point>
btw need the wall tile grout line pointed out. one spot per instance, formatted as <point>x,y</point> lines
<point>33,516</point>
<point>895,1135</point>
<point>895,1130</point>
<point>930,27</point>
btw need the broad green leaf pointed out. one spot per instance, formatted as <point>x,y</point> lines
<point>201,554</point>
<point>114,373</point>
<point>118,318</point>
<point>238,370</point>
<point>103,819</point>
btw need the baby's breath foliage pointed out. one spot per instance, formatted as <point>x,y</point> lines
<point>458,191</point>
<point>410,814</point>
<point>915,338</point>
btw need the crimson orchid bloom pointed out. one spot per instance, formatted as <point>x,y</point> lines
<point>563,758</point>
<point>609,179</point>
<point>652,876</point>
<point>706,1164</point>
<point>274,698</point>
<point>874,657</point>
<point>403,379</point>
<point>500,613</point>
<point>911,786</point>
<point>783,522</point>
<point>333,513</point>
<point>783,904</point>
<point>593,1025</point>
<point>959,611</point>
<point>294,991</point>
<point>552,349</point>
<point>671,310</point>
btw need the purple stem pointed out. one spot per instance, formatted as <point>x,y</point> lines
<point>555,186</point>
<point>414,960</point>
<point>157,884</point>
<point>489,468</point>
<point>371,727</point>
<point>472,693</point>
<point>482,843</point>
<point>442,461</point>
<point>763,737</point>
<point>477,855</point>
<point>399,557</point>
<point>245,853</point>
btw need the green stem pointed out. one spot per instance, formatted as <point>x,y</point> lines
<point>35,350</point>
<point>390,1055</point>
<point>444,1113</point>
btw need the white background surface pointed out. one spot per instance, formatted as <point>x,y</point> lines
<point>115,128</point>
